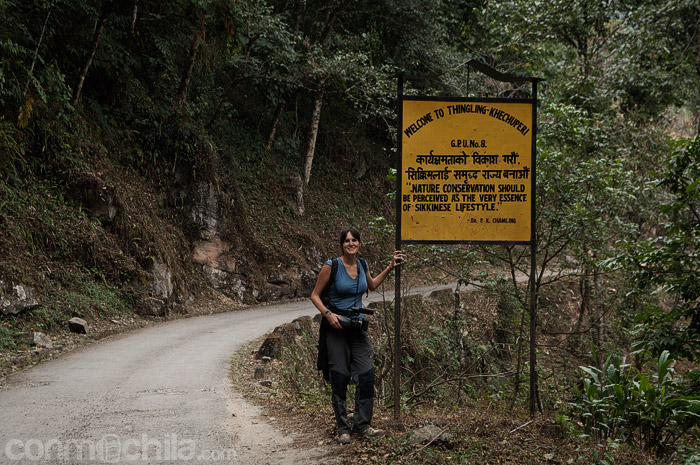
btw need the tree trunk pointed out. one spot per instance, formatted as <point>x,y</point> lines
<point>134,15</point>
<point>99,27</point>
<point>696,35</point>
<point>298,184</point>
<point>593,314</point>
<point>459,340</point>
<point>599,306</point>
<point>132,27</point>
<point>518,359</point>
<point>313,134</point>
<point>36,52</point>
<point>191,58</point>
<point>275,123</point>
<point>584,306</point>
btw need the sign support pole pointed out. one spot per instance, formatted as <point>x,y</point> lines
<point>533,263</point>
<point>397,270</point>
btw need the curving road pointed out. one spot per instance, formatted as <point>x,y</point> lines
<point>155,395</point>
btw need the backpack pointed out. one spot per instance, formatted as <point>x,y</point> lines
<point>326,293</point>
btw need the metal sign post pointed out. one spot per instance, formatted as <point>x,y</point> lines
<point>397,277</point>
<point>466,174</point>
<point>533,268</point>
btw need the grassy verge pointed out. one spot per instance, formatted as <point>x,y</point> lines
<point>486,425</point>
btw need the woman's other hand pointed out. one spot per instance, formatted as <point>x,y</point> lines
<point>333,320</point>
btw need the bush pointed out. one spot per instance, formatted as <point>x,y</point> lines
<point>300,378</point>
<point>6,339</point>
<point>622,403</point>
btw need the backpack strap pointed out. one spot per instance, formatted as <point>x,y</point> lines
<point>326,294</point>
<point>334,271</point>
<point>365,267</point>
<point>364,263</point>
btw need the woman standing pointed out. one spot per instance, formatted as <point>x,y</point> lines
<point>350,354</point>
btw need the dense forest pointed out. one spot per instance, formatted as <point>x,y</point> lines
<point>151,151</point>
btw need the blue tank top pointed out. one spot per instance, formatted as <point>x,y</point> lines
<point>346,293</point>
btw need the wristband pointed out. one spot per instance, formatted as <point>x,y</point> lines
<point>326,312</point>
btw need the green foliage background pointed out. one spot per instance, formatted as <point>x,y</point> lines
<point>140,103</point>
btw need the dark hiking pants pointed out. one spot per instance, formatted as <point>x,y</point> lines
<point>350,356</point>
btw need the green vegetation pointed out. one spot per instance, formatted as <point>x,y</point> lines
<point>623,416</point>
<point>669,262</point>
<point>6,338</point>
<point>298,374</point>
<point>622,403</point>
<point>120,122</point>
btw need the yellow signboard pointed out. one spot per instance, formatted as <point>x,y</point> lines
<point>466,170</point>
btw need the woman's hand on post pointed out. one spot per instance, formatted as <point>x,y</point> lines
<point>398,258</point>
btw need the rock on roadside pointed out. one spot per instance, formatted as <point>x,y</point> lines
<point>78,325</point>
<point>431,434</point>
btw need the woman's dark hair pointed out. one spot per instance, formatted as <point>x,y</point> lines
<point>344,233</point>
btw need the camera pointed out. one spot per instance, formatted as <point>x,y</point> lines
<point>352,320</point>
<point>353,323</point>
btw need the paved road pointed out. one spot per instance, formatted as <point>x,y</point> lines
<point>119,401</point>
<point>155,395</point>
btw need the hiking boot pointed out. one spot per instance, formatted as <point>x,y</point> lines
<point>344,438</point>
<point>372,433</point>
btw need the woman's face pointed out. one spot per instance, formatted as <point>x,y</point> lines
<point>350,245</point>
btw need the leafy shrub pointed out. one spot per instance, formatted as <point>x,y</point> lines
<point>507,311</point>
<point>6,338</point>
<point>622,403</point>
<point>300,378</point>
